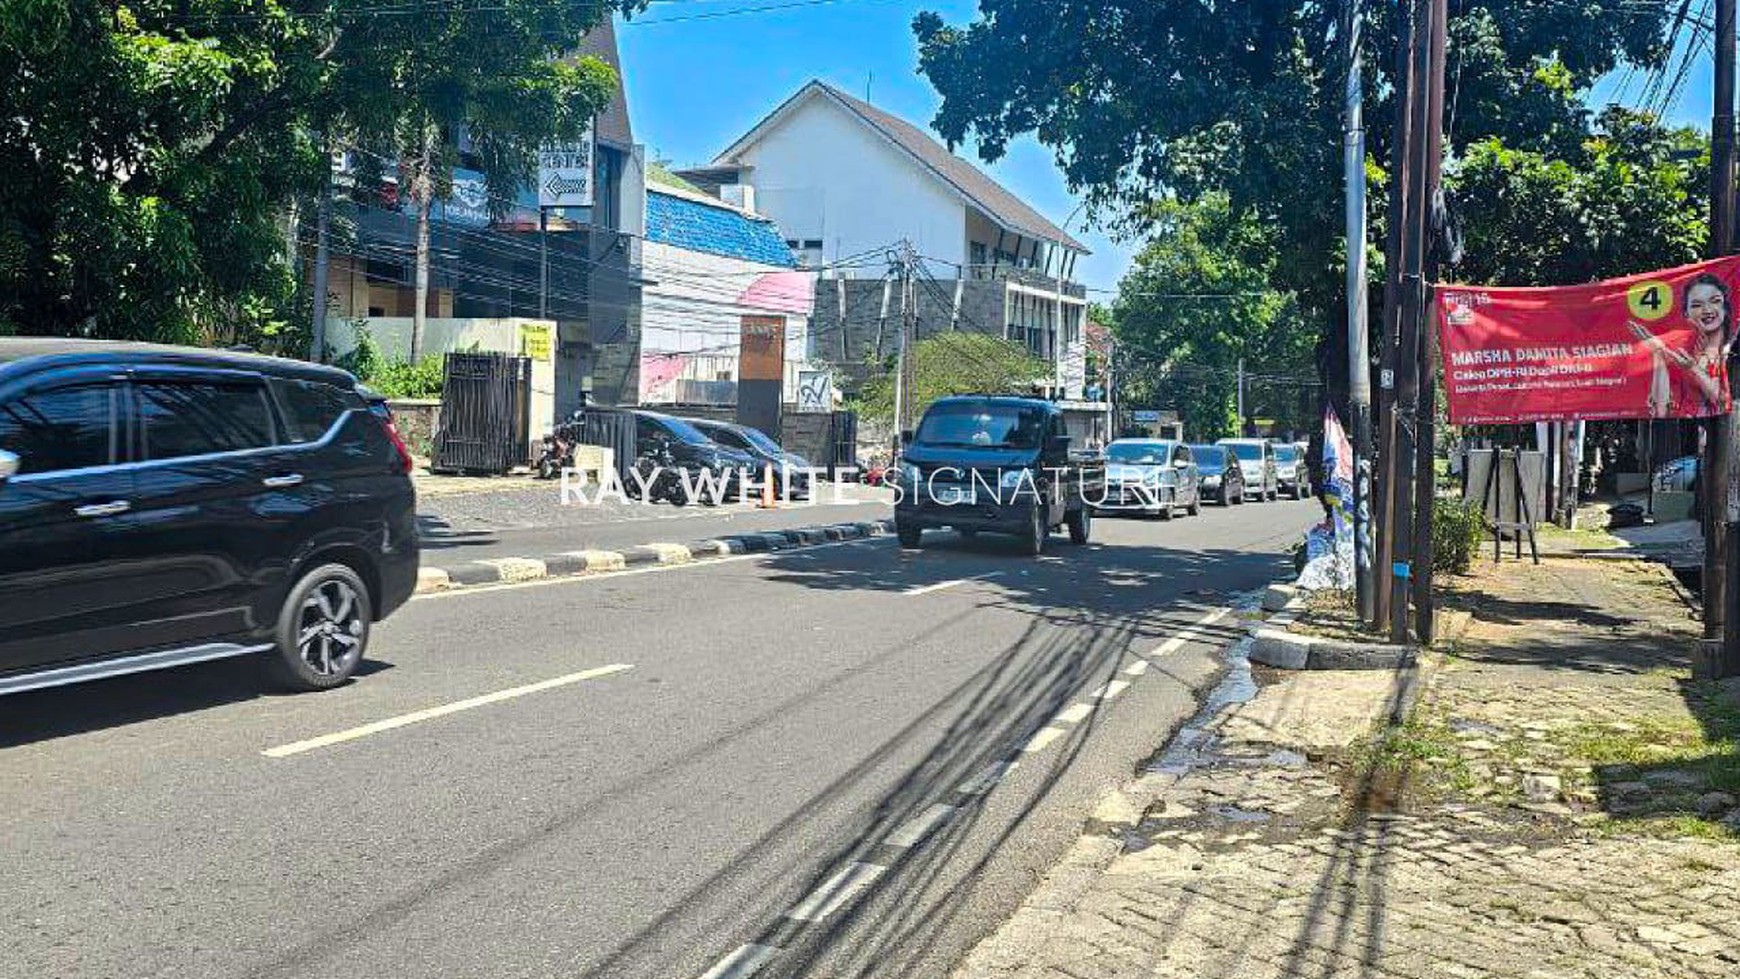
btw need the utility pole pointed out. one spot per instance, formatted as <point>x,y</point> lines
<point>1241,397</point>
<point>543,262</point>
<point>1400,208</point>
<point>1720,651</point>
<point>1358,354</point>
<point>1425,456</point>
<point>1412,293</point>
<point>322,257</point>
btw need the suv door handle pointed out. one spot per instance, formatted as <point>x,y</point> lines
<point>292,479</point>
<point>103,509</point>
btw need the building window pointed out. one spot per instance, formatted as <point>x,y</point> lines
<point>976,253</point>
<point>813,244</point>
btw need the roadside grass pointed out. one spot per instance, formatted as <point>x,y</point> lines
<point>1417,758</point>
<point>1582,538</point>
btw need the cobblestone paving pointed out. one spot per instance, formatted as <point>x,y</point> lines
<point>1478,845</point>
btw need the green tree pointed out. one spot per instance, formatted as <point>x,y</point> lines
<point>1628,198</point>
<point>1175,100</point>
<point>149,150</point>
<point>1199,298</point>
<point>955,363</point>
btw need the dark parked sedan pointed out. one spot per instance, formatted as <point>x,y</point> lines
<point>764,450</point>
<point>1222,479</point>
<point>164,505</point>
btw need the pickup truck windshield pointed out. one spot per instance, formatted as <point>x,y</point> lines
<point>980,425</point>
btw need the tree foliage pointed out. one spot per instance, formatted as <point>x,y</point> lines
<point>1180,101</point>
<point>1630,197</point>
<point>151,151</point>
<point>956,363</point>
<point>1198,299</point>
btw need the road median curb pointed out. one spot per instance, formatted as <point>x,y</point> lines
<point>568,564</point>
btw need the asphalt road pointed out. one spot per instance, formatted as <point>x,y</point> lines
<point>533,520</point>
<point>780,760</point>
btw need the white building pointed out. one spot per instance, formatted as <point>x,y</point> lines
<point>845,181</point>
<point>710,266</point>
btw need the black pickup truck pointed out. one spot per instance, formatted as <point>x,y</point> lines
<point>998,465</point>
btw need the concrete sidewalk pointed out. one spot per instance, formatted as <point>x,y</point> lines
<point>1559,801</point>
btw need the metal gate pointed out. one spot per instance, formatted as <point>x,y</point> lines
<point>845,443</point>
<point>612,428</point>
<point>485,413</point>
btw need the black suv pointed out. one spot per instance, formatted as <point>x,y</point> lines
<point>163,505</point>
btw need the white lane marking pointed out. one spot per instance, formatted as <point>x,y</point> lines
<point>1186,635</point>
<point>743,963</point>
<point>912,832</point>
<point>1041,738</point>
<point>837,891</point>
<point>1110,690</point>
<point>430,713</point>
<point>987,777</point>
<point>1174,644</point>
<point>1074,714</point>
<point>712,562</point>
<point>939,586</point>
<point>1137,668</point>
<point>1214,616</point>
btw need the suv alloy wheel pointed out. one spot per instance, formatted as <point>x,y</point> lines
<point>323,629</point>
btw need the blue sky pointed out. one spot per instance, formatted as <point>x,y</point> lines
<point>696,85</point>
<point>705,75</point>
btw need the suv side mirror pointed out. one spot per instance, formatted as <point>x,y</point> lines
<point>906,436</point>
<point>8,465</point>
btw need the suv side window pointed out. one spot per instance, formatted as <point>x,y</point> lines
<point>61,428</point>
<point>310,408</point>
<point>190,419</point>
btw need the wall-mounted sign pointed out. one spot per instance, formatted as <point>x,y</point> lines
<point>565,173</point>
<point>537,342</point>
<point>815,391</point>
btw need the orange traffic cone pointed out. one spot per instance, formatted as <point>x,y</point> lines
<point>767,500</point>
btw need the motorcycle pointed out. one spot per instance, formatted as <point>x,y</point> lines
<point>557,451</point>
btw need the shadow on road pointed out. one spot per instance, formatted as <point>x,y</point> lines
<point>1095,605</point>
<point>58,712</point>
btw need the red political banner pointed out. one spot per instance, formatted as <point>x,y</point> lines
<point>1645,346</point>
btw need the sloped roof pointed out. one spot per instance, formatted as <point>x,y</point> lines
<point>681,222</point>
<point>612,124</point>
<point>969,181</point>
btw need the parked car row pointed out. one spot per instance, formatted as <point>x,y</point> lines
<point>688,452</point>
<point>1158,477</point>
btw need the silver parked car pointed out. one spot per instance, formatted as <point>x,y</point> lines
<point>1151,476</point>
<point>1257,461</point>
<point>1291,472</point>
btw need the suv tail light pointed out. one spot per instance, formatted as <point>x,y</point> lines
<point>385,414</point>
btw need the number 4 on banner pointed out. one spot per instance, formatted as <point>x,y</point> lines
<point>1650,300</point>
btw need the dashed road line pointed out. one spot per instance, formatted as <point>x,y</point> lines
<point>987,778</point>
<point>939,586</point>
<point>914,830</point>
<point>430,713</point>
<point>856,877</point>
<point>1073,714</point>
<point>743,963</point>
<point>1041,738</point>
<point>837,891</point>
<point>1110,690</point>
